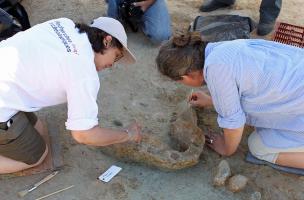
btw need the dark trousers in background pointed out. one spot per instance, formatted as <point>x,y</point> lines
<point>269,9</point>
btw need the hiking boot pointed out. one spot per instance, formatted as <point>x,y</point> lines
<point>265,28</point>
<point>212,5</point>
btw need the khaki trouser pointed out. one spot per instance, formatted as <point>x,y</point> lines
<point>262,152</point>
<point>21,141</point>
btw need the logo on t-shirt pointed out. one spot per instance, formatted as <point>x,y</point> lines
<point>63,36</point>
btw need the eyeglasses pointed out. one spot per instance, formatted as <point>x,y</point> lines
<point>118,57</point>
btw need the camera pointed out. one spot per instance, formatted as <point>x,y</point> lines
<point>130,14</point>
<point>8,25</point>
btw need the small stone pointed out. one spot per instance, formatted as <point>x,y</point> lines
<point>222,173</point>
<point>237,183</point>
<point>256,196</point>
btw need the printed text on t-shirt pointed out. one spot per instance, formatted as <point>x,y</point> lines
<point>63,36</point>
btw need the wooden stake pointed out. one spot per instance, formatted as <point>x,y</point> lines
<point>55,192</point>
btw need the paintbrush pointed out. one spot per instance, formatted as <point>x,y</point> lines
<point>188,100</point>
<point>33,187</point>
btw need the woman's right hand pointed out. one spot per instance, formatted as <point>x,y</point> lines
<point>200,99</point>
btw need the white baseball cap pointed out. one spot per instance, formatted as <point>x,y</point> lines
<point>115,29</point>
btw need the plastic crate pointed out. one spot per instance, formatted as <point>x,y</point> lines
<point>289,34</point>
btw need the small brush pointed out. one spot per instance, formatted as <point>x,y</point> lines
<point>45,179</point>
<point>188,100</point>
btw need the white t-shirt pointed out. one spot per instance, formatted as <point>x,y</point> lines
<point>49,64</point>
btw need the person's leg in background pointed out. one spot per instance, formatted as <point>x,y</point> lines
<point>157,23</point>
<point>269,11</point>
<point>211,5</point>
<point>113,8</point>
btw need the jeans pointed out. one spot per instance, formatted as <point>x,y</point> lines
<point>155,23</point>
<point>269,9</point>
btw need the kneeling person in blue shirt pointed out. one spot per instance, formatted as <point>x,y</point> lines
<point>254,82</point>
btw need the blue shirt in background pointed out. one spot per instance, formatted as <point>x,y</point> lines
<point>260,83</point>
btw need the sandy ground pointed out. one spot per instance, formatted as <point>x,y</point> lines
<point>138,92</point>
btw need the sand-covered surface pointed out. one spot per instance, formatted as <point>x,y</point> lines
<point>138,92</point>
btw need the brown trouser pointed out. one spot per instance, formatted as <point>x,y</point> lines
<point>21,141</point>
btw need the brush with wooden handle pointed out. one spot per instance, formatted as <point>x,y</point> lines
<point>45,179</point>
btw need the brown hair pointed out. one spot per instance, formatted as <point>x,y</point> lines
<point>181,54</point>
<point>96,37</point>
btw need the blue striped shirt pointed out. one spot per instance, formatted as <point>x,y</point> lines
<point>260,83</point>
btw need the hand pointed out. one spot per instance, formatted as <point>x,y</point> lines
<point>144,5</point>
<point>200,99</point>
<point>134,132</point>
<point>216,142</point>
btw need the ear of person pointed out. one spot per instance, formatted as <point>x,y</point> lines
<point>107,41</point>
<point>187,78</point>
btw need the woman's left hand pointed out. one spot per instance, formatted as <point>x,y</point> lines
<point>216,142</point>
<point>144,5</point>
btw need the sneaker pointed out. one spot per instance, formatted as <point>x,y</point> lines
<point>265,28</point>
<point>212,5</point>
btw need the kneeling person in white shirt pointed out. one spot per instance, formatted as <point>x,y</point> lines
<point>60,65</point>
